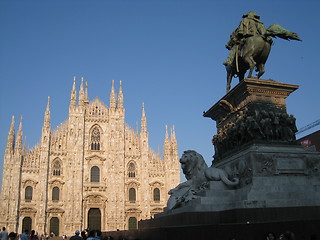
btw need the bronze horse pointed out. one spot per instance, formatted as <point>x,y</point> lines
<point>254,53</point>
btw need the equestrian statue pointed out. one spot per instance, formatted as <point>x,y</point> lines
<point>250,45</point>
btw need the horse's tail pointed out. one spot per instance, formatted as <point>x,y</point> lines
<point>275,30</point>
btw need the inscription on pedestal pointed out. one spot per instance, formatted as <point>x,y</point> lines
<point>290,166</point>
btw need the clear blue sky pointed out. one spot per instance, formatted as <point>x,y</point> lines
<point>168,54</point>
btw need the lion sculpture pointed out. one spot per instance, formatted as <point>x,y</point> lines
<point>197,174</point>
<point>193,167</point>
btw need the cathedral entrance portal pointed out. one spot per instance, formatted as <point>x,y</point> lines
<point>26,224</point>
<point>54,225</point>
<point>94,219</point>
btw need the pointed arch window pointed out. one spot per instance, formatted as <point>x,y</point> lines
<point>132,194</point>
<point>156,194</point>
<point>56,168</point>
<point>55,194</point>
<point>95,174</point>
<point>28,193</point>
<point>95,138</point>
<point>131,170</point>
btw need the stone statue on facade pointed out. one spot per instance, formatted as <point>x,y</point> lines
<point>250,45</point>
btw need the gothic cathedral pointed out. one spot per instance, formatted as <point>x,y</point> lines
<point>93,171</point>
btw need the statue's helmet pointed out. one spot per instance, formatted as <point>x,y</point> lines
<point>251,14</point>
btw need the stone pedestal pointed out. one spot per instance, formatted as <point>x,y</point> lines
<point>253,111</point>
<point>270,177</point>
<point>255,142</point>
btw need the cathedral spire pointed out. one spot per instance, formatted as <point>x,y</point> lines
<point>86,97</point>
<point>120,96</point>
<point>46,123</point>
<point>144,133</point>
<point>10,143</point>
<point>174,144</point>
<point>167,136</point>
<point>112,96</point>
<point>143,121</point>
<point>19,136</point>
<point>81,93</point>
<point>173,134</point>
<point>137,127</point>
<point>166,145</point>
<point>73,97</point>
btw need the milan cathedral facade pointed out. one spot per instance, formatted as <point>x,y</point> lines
<point>93,171</point>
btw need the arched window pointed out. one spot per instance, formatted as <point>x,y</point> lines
<point>55,194</point>
<point>131,170</point>
<point>132,223</point>
<point>28,193</point>
<point>132,195</point>
<point>95,139</point>
<point>56,168</point>
<point>95,174</point>
<point>156,194</point>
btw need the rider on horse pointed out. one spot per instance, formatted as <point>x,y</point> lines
<point>249,26</point>
<point>250,45</point>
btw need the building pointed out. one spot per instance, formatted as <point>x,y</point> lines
<point>311,141</point>
<point>93,171</point>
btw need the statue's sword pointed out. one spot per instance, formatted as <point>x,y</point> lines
<point>237,64</point>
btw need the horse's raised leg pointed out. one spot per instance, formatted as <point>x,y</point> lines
<point>260,70</point>
<point>228,88</point>
<point>251,64</point>
<point>229,77</point>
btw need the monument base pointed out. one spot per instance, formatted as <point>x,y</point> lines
<point>279,190</point>
<point>199,225</point>
<point>270,177</point>
<point>247,224</point>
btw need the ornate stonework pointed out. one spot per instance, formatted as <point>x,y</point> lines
<point>253,111</point>
<point>93,171</point>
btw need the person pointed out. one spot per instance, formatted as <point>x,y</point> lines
<point>12,236</point>
<point>288,235</point>
<point>33,235</point>
<point>249,26</point>
<point>270,236</point>
<point>24,235</point>
<point>76,236</point>
<point>99,234</point>
<point>83,235</point>
<point>92,235</point>
<point>4,234</point>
